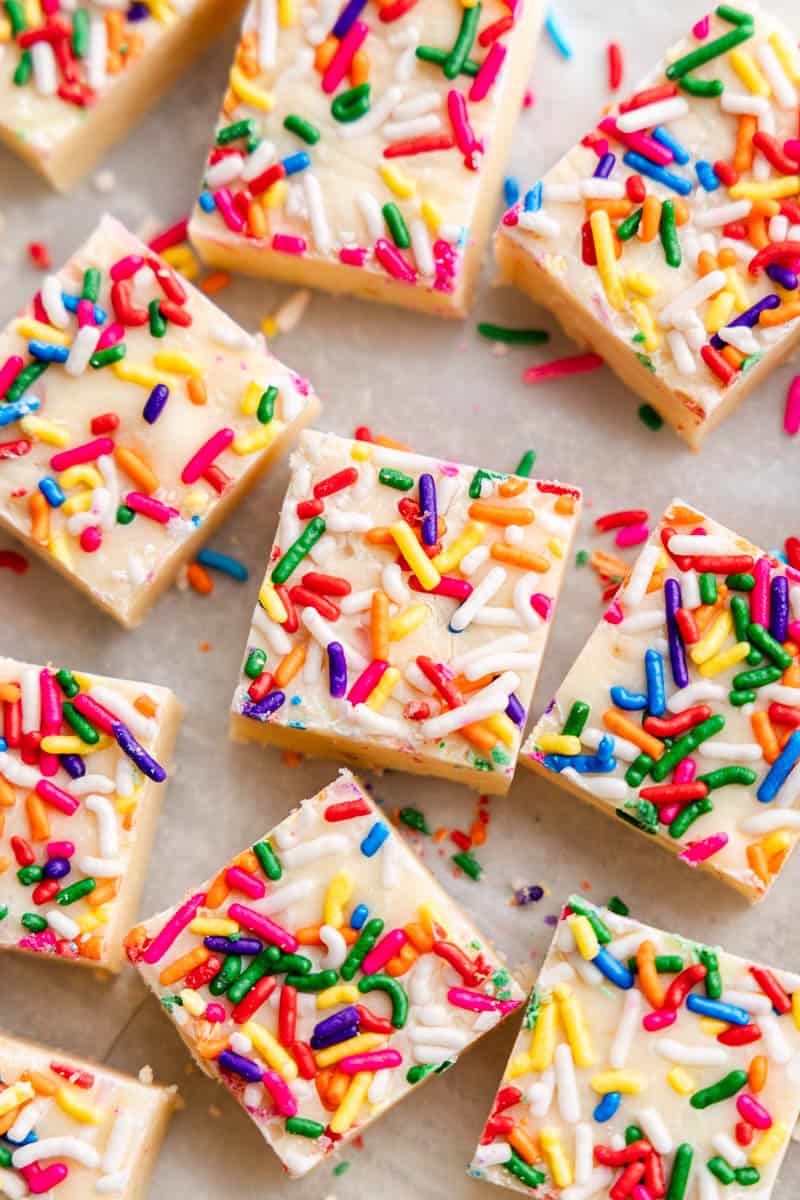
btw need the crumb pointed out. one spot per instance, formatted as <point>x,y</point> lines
<point>104,182</point>
<point>214,1111</point>
<point>146,1076</point>
<point>204,647</point>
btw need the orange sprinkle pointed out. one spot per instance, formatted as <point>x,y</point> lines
<point>41,1083</point>
<point>791,676</point>
<point>757,231</point>
<point>681,211</point>
<point>512,486</point>
<point>780,316</point>
<point>757,862</point>
<point>93,948</point>
<point>649,981</point>
<point>418,936</point>
<point>402,962</point>
<point>477,832</point>
<point>379,625</point>
<point>10,693</point>
<point>40,518</point>
<point>217,281</point>
<point>765,208</point>
<point>565,505</point>
<point>290,664</point>
<point>138,470</point>
<point>378,536</point>
<point>38,820</point>
<point>308,935</point>
<point>706,263</point>
<point>200,579</point>
<point>651,218</point>
<point>196,389</point>
<point>765,735</point>
<point>7,1120</point>
<point>104,892</point>
<point>757,1073</point>
<point>183,965</point>
<point>478,736</point>
<point>8,796</point>
<point>257,220</point>
<point>115,30</point>
<point>726,258</point>
<point>325,52</point>
<point>145,705</point>
<point>517,557</point>
<point>391,443</point>
<point>744,153</point>
<point>359,68</point>
<point>681,514</point>
<point>291,758</point>
<point>211,1048</point>
<point>440,834</point>
<point>230,102</point>
<point>615,721</point>
<point>733,356</point>
<point>616,209</point>
<point>609,565</point>
<point>218,892</point>
<point>501,514</point>
<point>523,1143</point>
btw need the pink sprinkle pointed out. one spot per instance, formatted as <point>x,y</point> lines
<point>111,335</point>
<point>632,535</point>
<point>511,217</point>
<point>50,719</point>
<point>91,539</point>
<point>642,143</point>
<point>448,585</point>
<point>56,797</point>
<point>170,237</point>
<point>60,849</point>
<point>654,1021</point>
<point>215,1013</point>
<point>148,507</point>
<point>698,852</point>
<point>794,631</point>
<point>243,881</point>
<point>88,452</point>
<point>470,146</point>
<point>269,930</point>
<point>126,267</point>
<point>367,681</point>
<point>701,29</point>
<point>174,927</point>
<point>559,368</point>
<point>227,210</point>
<point>791,417</point>
<point>288,244</point>
<point>281,1093</point>
<point>640,1192</point>
<point>392,261</point>
<point>541,604</point>
<point>792,147</point>
<point>86,313</point>
<point>613,614</point>
<point>41,943</point>
<point>759,597</point>
<point>42,1179</point>
<point>529,99</point>
<point>353,256</point>
<point>98,714</point>
<point>372,1060</point>
<point>9,372</point>
<point>478,1002</point>
<point>345,51</point>
<point>199,463</point>
<point>489,70</point>
<point>754,1113</point>
<point>683,773</point>
<point>386,948</point>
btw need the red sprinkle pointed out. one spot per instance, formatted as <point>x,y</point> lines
<point>13,560</point>
<point>40,255</point>
<point>347,810</point>
<point>335,483</point>
<point>614,66</point>
<point>627,516</point>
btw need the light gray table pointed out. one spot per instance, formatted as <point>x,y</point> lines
<point>441,388</point>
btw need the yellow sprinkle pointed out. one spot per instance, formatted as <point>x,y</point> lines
<point>195,502</point>
<point>518,1064</point>
<point>340,889</point>
<point>430,916</point>
<point>57,744</point>
<point>80,502</point>
<point>177,361</point>
<point>272,604</point>
<point>606,258</point>
<point>340,993</point>
<point>558,743</point>
<point>711,643</point>
<point>642,283</point>
<point>585,940</point>
<point>179,256</point>
<point>45,431</point>
<point>796,1007</point>
<point>575,1026</point>
<point>162,11</point>
<point>94,919</point>
<point>27,327</point>
<point>287,13</point>
<point>681,1081</point>
<point>737,286</point>
<point>5,29</point>
<point>361,452</point>
<point>647,326</point>
<point>12,1097</point>
<point>269,327</point>
<point>270,1050</point>
<point>414,555</point>
<point>246,91</point>
<point>259,439</point>
<point>138,373</point>
<point>451,556</point>
<point>719,310</point>
<point>787,56</point>
<point>83,473</point>
<point>550,1141</point>
<point>726,658</point>
<point>771,189</point>
<point>275,195</point>
<point>59,548</point>
<point>33,12</point>
<point>354,1097</point>
<point>774,843</point>
<point>543,1041</point>
<point>252,397</point>
<point>354,1045</point>
<point>76,1106</point>
<point>749,72</point>
<point>768,1146</point>
<point>214,926</point>
<point>627,1082</point>
<point>103,744</point>
<point>403,186</point>
<point>556,547</point>
<point>432,215</point>
<point>712,1028</point>
<point>502,727</point>
<point>126,804</point>
<point>383,689</point>
<point>193,1002</point>
<point>407,621</point>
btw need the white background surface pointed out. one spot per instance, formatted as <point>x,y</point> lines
<point>439,387</point>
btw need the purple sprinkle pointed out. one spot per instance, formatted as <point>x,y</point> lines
<point>337,669</point>
<point>750,317</point>
<point>347,17</point>
<point>515,710</point>
<point>138,11</point>
<point>779,610</point>
<point>783,276</point>
<point>137,754</point>
<point>223,945</point>
<point>264,709</point>
<point>56,868</point>
<point>237,1064</point>
<point>677,653</point>
<point>155,403</point>
<point>73,764</point>
<point>339,1027</point>
<point>551,920</point>
<point>529,894</point>
<point>427,505</point>
<point>605,166</point>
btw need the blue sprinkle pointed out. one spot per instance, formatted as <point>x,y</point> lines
<point>296,162</point>
<point>776,776</point>
<point>614,970</point>
<point>47,352</point>
<point>557,35</point>
<point>630,701</point>
<point>17,409</point>
<point>607,1107</point>
<point>206,202</point>
<point>707,176</point>
<point>155,403</point>
<point>668,139</point>
<point>374,839</point>
<point>51,491</point>
<point>638,162</point>
<point>718,1010</point>
<point>224,563</point>
<point>28,1140</point>
<point>533,198</point>
<point>359,916</point>
<point>71,305</point>
<point>656,693</point>
<point>3,745</point>
<point>296,700</point>
<point>605,166</point>
<point>510,190</point>
<point>584,764</point>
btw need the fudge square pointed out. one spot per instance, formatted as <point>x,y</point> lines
<point>76,78</point>
<point>681,714</point>
<point>668,239</point>
<point>322,975</point>
<point>139,415</point>
<point>405,611</point>
<point>75,1126</point>
<point>82,775</point>
<point>360,148</point>
<point>647,1065</point>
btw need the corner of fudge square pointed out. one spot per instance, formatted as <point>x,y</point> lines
<point>136,416</point>
<point>668,239</point>
<point>404,612</point>
<point>681,715</point>
<point>322,975</point>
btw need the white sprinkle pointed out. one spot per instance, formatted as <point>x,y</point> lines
<point>778,228</point>
<point>691,1056</point>
<point>493,664</point>
<point>14,1186</point>
<point>623,749</point>
<point>681,354</point>
<point>256,163</point>
<point>482,704</point>
<point>358,602</point>
<point>421,245</point>
<point>498,617</point>
<point>524,588</point>
<point>540,1094</point>
<point>30,700</point>
<point>108,832</point>
<point>654,1129</point>
<point>377,723</point>
<point>267,34</point>
<point>223,172</point>
<point>566,1084</point>
<point>473,560</point>
<point>29,1117</point>
<point>492,1155</point>
<point>143,727</point>
<point>693,296</point>
<point>584,1152</point>
<point>370,210</point>
<point>626,1029</point>
<point>56,1147</point>
<point>600,1179</point>
<point>416,106</point>
<point>778,1049</point>
<point>110,1185</point>
<point>274,634</point>
<point>752,1002</point>
<point>561,193</point>
<point>707,1186</point>
<point>97,54</point>
<point>642,622</point>
<point>767,822</point>
<point>693,545</point>
<point>231,337</point>
<point>785,93</point>
<point>602,189</point>
<point>376,116</point>
<point>53,304</point>
<point>16,772</point>
<point>333,940</point>
<point>740,337</point>
<point>240,1043</point>
<point>508,642</point>
<point>539,222</point>
<point>118,1142</point>
<point>396,131</point>
<point>685,697</point>
<point>743,104</point>
<point>101,868</point>
<point>379,1087</point>
<point>653,114</point>
<point>430,1054</point>
<point>312,668</point>
<point>483,593</point>
<point>600,786</point>
<point>452,1038</point>
<point>390,864</point>
<point>746,751</point>
<point>724,1144</point>
<point>723,214</point>
<point>634,590</point>
<point>90,783</point>
<point>324,633</point>
<point>316,212</point>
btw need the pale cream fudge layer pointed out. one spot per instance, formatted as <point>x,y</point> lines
<point>74,82</point>
<point>646,1060</point>
<point>83,769</point>
<point>74,1129</point>
<point>404,624</point>
<point>694,666</point>
<point>119,462</point>
<point>322,975</point>
<point>344,159</point>
<point>669,243</point>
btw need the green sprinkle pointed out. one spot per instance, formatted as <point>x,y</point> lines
<point>513,337</point>
<point>158,326</point>
<point>242,984</point>
<point>267,858</point>
<point>739,698</point>
<point>668,231</point>
<point>78,722</point>
<point>469,865</point>
<point>16,15</point>
<point>80,32</point>
<point>239,129</point>
<point>521,1170</point>
<point>319,981</point>
<point>476,483</point>
<point>649,416</point>
<point>646,362</point>
<point>25,380</point>
<point>105,358</point>
<point>288,964</point>
<point>639,768</point>
<point>630,225</point>
<point>397,226</point>
<point>302,128</point>
<point>394,990</point>
<point>395,479</point>
<point>577,718</point>
<point>3,911</point>
<point>750,362</point>
<point>298,550</point>
<point>746,1176</point>
<point>767,644</point>
<point>633,1134</point>
<point>708,587</point>
<point>414,819</point>
<point>5,1157</point>
<point>231,969</point>
<point>352,104</point>
<point>30,875</point>
<point>740,612</point>
<point>686,745</point>
<point>665,964</point>
<point>525,464</point>
<point>75,891</point>
<point>67,682</point>
<point>304,1127</point>
<point>415,1074</point>
<point>618,906</point>
<point>711,50</point>
<point>340,1168</point>
<point>581,558</point>
<point>713,979</point>
<point>361,948</point>
<point>33,922</point>
<point>722,1169</point>
<point>91,285</point>
<point>432,54</point>
<point>687,816</point>
<point>645,814</point>
<point>681,1166</point>
<point>125,515</point>
<point>705,89</point>
<point>582,909</point>
<point>723,1089</point>
<point>256,661</point>
<point>724,776</point>
<point>266,405</point>
<point>24,71</point>
<point>748,680</point>
<point>740,583</point>
<point>455,60</point>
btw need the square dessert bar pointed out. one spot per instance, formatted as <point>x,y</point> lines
<point>668,240</point>
<point>83,768</point>
<point>405,612</point>
<point>137,416</point>
<point>681,715</point>
<point>647,1066</point>
<point>75,78</point>
<point>322,975</point>
<point>360,146</point>
<point>74,1129</point>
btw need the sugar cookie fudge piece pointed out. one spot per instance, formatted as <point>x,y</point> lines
<point>360,149</point>
<point>83,768</point>
<point>645,1058</point>
<point>405,612</point>
<point>75,1129</point>
<point>668,240</point>
<point>76,78</point>
<point>137,416</point>
<point>322,974</point>
<point>681,713</point>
